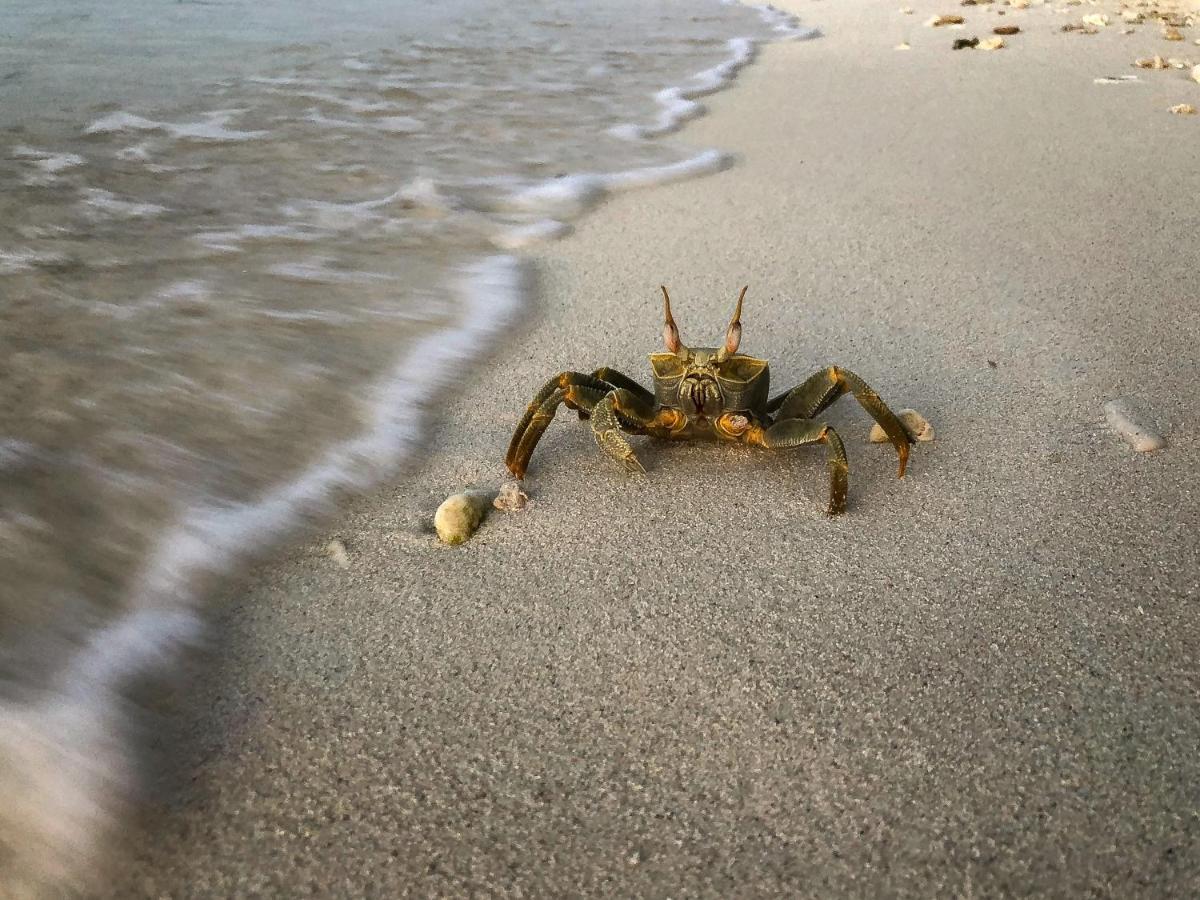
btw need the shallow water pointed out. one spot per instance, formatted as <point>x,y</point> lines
<point>241,242</point>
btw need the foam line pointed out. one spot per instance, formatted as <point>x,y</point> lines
<point>678,104</point>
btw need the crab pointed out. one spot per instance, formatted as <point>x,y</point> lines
<point>706,392</point>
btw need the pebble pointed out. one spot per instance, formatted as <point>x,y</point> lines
<point>460,515</point>
<point>1124,421</point>
<point>914,422</point>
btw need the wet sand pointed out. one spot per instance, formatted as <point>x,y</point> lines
<point>981,681</point>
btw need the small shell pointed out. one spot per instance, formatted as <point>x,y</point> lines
<point>914,423</point>
<point>336,550</point>
<point>511,498</point>
<point>460,514</point>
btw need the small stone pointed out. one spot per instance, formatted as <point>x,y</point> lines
<point>1006,29</point>
<point>966,44</point>
<point>1131,15</point>
<point>1096,20</point>
<point>1123,420</point>
<point>940,21</point>
<point>902,46</point>
<point>1172,34</point>
<point>1019,4</point>
<point>1150,62</point>
<point>994,43</point>
<point>336,551</point>
<point>906,10</point>
<point>914,423</point>
<point>511,498</point>
<point>1196,73</point>
<point>460,514</point>
<point>1183,109</point>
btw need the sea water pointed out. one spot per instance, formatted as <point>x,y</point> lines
<point>243,241</point>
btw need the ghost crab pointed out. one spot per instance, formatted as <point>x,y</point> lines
<point>706,392</point>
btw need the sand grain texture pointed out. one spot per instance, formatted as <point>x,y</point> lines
<point>981,681</point>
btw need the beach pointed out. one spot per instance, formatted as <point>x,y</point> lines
<point>980,681</point>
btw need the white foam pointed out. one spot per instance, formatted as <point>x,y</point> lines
<point>399,124</point>
<point>392,124</point>
<point>110,205</point>
<point>522,236</point>
<point>46,165</point>
<point>316,117</point>
<point>232,240</point>
<point>319,270</point>
<point>356,106</point>
<point>212,127</point>
<point>572,195</point>
<point>678,104</point>
<point>164,297</point>
<point>14,261</point>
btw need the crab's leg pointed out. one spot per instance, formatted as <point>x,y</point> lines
<point>797,433</point>
<point>617,407</point>
<point>620,380</point>
<point>576,388</point>
<point>823,388</point>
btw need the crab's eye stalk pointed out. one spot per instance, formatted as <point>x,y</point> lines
<point>733,335</point>
<point>670,332</point>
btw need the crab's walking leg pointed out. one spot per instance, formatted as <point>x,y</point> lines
<point>616,405</point>
<point>823,388</point>
<point>620,380</point>
<point>797,433</point>
<point>575,388</point>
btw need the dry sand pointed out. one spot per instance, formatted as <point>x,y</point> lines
<point>981,681</point>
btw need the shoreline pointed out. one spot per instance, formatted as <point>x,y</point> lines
<point>214,544</point>
<point>543,704</point>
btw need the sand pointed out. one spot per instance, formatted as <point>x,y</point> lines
<point>981,681</point>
